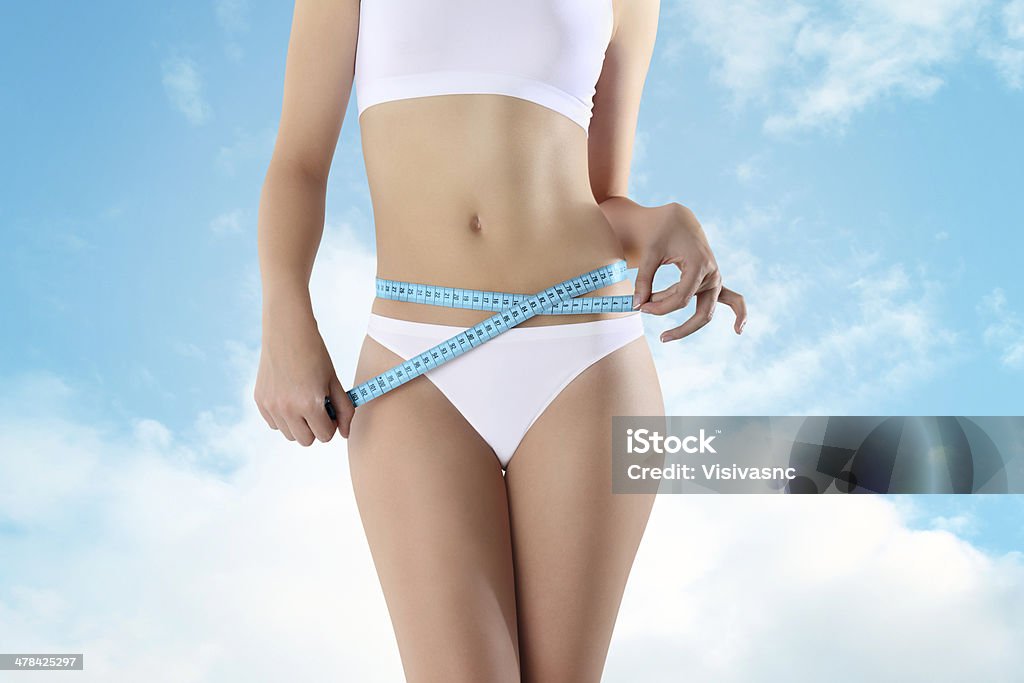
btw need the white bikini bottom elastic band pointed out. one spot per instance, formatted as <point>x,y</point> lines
<point>512,309</point>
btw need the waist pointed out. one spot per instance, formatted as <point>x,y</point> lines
<point>522,271</point>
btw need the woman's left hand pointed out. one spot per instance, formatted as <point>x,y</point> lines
<point>676,238</point>
<point>671,234</point>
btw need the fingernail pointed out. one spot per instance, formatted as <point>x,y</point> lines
<point>664,338</point>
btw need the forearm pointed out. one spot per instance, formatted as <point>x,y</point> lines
<point>634,223</point>
<point>290,226</point>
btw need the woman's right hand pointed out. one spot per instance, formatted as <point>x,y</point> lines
<point>295,374</point>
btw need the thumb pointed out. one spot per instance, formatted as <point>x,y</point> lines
<point>649,263</point>
<point>342,406</point>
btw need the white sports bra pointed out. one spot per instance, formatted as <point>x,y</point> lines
<point>549,52</point>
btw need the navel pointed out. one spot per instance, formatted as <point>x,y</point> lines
<point>475,224</point>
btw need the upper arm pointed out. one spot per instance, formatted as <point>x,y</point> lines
<point>318,80</point>
<point>617,100</point>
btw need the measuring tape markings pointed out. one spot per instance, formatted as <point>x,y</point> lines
<point>564,298</point>
<point>479,300</point>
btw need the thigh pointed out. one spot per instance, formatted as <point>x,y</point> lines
<point>432,500</point>
<point>573,540</point>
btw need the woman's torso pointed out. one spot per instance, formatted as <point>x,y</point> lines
<point>482,190</point>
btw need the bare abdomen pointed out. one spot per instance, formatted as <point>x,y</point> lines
<point>484,192</point>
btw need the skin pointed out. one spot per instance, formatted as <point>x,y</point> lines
<point>495,193</point>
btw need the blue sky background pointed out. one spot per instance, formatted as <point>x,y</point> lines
<point>857,166</point>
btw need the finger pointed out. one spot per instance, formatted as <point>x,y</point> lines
<point>738,305</point>
<point>697,279</point>
<point>649,263</point>
<point>678,295</point>
<point>671,300</point>
<point>665,293</point>
<point>343,407</point>
<point>664,298</point>
<point>702,316</point>
<point>282,424</point>
<point>300,430</point>
<point>321,424</point>
<point>267,416</point>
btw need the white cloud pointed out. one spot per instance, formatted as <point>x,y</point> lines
<point>815,68</point>
<point>750,170</point>
<point>1006,49</point>
<point>233,546</point>
<point>770,588</point>
<point>1005,332</point>
<point>188,350</point>
<point>750,39</point>
<point>839,334</point>
<point>962,524</point>
<point>184,87</point>
<point>233,17</point>
<point>245,148</point>
<point>227,223</point>
<point>638,177</point>
<point>1013,18</point>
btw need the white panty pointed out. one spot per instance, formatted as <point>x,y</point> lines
<point>504,385</point>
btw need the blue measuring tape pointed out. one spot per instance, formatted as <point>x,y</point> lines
<point>565,298</point>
